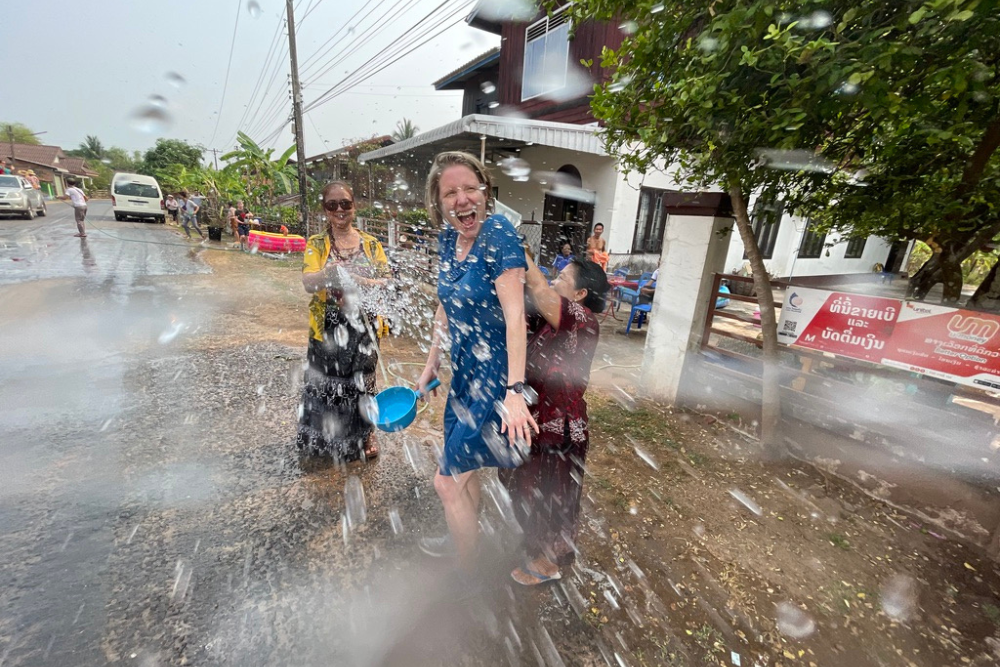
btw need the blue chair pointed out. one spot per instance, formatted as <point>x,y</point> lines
<point>640,309</point>
<point>545,272</point>
<point>646,276</point>
<point>721,301</point>
<point>621,272</point>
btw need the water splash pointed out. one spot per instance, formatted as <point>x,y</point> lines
<point>516,168</point>
<point>793,622</point>
<point>746,501</point>
<point>899,597</point>
<point>488,87</point>
<point>171,333</point>
<point>355,507</point>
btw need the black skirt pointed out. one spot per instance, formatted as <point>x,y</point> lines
<point>339,389</point>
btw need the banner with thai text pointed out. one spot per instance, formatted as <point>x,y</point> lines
<point>947,343</point>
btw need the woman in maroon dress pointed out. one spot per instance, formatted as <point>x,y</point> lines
<point>546,489</point>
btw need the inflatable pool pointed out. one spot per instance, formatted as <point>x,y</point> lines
<point>269,242</point>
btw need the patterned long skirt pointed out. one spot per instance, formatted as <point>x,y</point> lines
<point>546,492</point>
<point>339,390</point>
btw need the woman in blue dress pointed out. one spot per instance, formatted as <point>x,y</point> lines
<point>480,319</point>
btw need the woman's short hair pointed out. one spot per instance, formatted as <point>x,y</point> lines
<point>344,185</point>
<point>447,159</point>
<point>591,277</point>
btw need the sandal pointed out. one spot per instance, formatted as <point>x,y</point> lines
<point>538,576</point>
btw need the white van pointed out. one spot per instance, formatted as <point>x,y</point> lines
<point>137,196</point>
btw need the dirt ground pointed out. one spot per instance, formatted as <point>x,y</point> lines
<point>693,552</point>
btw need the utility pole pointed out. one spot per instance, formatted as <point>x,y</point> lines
<point>300,149</point>
<point>215,157</point>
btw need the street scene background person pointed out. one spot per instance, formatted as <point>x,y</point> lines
<point>79,201</point>
<point>189,215</point>
<point>545,491</point>
<point>564,257</point>
<point>481,315</point>
<point>172,205</point>
<point>339,266</point>
<point>597,247</point>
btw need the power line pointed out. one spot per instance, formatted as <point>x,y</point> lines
<point>401,48</point>
<point>262,75</point>
<point>319,53</point>
<point>225,85</point>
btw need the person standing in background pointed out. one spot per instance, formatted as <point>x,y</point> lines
<point>189,215</point>
<point>172,205</point>
<point>597,247</point>
<point>79,201</point>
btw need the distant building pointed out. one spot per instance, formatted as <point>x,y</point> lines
<point>49,163</point>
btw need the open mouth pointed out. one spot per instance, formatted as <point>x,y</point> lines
<point>467,219</point>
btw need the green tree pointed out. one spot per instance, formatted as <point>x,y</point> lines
<point>263,176</point>
<point>404,130</point>
<point>918,132</point>
<point>19,133</point>
<point>168,152</point>
<point>91,148</point>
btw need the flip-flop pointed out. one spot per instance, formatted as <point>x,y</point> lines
<point>537,575</point>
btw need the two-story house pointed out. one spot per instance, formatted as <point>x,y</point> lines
<point>526,113</point>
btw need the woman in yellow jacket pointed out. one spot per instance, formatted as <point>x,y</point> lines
<point>344,269</point>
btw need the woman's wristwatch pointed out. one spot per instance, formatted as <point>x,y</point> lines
<point>517,387</point>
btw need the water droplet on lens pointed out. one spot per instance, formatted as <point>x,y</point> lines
<point>158,100</point>
<point>170,333</point>
<point>341,335</point>
<point>487,87</point>
<point>848,88</point>
<point>355,509</point>
<point>493,105</point>
<point>150,119</point>
<point>517,168</point>
<point>481,351</point>
<point>899,597</point>
<point>395,521</point>
<point>175,79</point>
<point>254,8</point>
<point>656,9</point>
<point>620,84</point>
<point>379,205</point>
<point>818,20</point>
<point>629,27</point>
<point>368,407</point>
<point>793,622</point>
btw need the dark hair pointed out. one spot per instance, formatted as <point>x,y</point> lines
<point>72,182</point>
<point>591,277</point>
<point>595,224</point>
<point>183,193</point>
<point>338,184</point>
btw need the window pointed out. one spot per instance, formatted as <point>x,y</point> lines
<point>126,189</point>
<point>766,220</point>
<point>855,247</point>
<point>546,55</point>
<point>650,221</point>
<point>812,243</point>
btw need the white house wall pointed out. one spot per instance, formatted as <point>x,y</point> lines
<point>528,197</point>
<point>786,262</point>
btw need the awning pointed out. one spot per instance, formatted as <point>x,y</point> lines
<point>506,133</point>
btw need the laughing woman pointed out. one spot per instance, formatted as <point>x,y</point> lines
<point>340,265</point>
<point>481,315</point>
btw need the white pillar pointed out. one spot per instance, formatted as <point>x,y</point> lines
<point>694,248</point>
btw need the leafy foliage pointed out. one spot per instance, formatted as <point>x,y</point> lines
<point>19,132</point>
<point>169,152</point>
<point>405,129</point>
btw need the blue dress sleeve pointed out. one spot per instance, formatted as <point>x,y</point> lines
<point>503,247</point>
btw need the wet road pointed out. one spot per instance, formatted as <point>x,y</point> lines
<point>152,509</point>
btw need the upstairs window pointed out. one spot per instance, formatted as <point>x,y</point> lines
<point>546,55</point>
<point>855,247</point>
<point>650,221</point>
<point>812,243</point>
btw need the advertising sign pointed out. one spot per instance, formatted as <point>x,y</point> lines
<point>960,346</point>
<point>853,325</point>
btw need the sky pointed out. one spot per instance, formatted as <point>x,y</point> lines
<point>102,63</point>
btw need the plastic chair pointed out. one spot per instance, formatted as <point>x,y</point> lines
<point>545,272</point>
<point>629,295</point>
<point>721,301</point>
<point>640,309</point>
<point>646,276</point>
<point>621,272</point>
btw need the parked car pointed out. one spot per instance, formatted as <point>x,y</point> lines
<point>137,196</point>
<point>17,196</point>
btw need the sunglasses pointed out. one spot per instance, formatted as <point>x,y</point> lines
<point>332,204</point>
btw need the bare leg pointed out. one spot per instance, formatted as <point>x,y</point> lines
<point>460,496</point>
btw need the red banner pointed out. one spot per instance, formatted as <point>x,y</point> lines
<point>957,345</point>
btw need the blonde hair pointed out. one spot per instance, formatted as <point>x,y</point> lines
<point>450,159</point>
